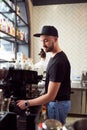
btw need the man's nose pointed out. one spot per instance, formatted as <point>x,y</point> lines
<point>43,43</point>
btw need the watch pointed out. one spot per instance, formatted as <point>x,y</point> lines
<point>27,104</point>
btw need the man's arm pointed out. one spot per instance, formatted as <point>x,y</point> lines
<point>53,89</point>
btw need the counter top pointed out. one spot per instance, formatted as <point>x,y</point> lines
<point>78,99</point>
<point>78,86</point>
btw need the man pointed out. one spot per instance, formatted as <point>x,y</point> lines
<point>58,87</point>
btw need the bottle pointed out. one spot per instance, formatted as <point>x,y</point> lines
<point>7,26</point>
<point>4,25</point>
<point>12,104</point>
<point>26,37</point>
<point>6,104</point>
<point>0,24</point>
<point>42,116</point>
<point>12,30</point>
<point>1,100</point>
<point>18,13</point>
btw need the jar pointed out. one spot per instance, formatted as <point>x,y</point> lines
<point>52,124</point>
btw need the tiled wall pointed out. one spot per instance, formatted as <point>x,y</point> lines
<point>71,21</point>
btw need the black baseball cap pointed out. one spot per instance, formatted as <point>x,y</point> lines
<point>47,30</point>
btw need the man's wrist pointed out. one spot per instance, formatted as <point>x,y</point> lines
<point>27,104</point>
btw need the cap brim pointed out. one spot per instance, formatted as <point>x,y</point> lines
<point>37,35</point>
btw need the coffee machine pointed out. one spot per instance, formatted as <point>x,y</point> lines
<point>22,84</point>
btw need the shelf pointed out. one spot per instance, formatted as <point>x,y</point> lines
<point>18,23</point>
<point>11,38</point>
<point>6,17</point>
<point>3,61</point>
<point>8,6</point>
<point>12,11</point>
<point>4,14</point>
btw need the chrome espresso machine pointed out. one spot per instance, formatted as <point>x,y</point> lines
<point>21,84</point>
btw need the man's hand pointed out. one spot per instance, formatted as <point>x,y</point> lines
<point>21,104</point>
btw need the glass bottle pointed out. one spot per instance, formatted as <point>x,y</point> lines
<point>1,100</point>
<point>42,116</point>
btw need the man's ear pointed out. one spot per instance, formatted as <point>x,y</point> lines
<point>56,38</point>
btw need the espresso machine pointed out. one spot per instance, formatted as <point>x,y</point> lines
<point>22,84</point>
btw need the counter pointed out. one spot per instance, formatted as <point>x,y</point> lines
<point>78,86</point>
<point>78,99</point>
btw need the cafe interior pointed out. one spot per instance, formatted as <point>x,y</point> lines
<point>19,52</point>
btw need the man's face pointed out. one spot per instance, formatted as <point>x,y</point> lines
<point>48,43</point>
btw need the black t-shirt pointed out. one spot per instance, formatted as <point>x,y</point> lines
<point>58,70</point>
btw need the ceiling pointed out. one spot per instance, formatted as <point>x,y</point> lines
<point>51,2</point>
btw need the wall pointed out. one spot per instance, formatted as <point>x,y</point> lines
<point>71,21</point>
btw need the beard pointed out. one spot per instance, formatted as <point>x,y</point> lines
<point>49,48</point>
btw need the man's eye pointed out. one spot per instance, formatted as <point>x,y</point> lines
<point>46,40</point>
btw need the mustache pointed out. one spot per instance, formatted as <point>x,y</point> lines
<point>45,46</point>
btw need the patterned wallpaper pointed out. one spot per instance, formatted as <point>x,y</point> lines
<point>71,22</point>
